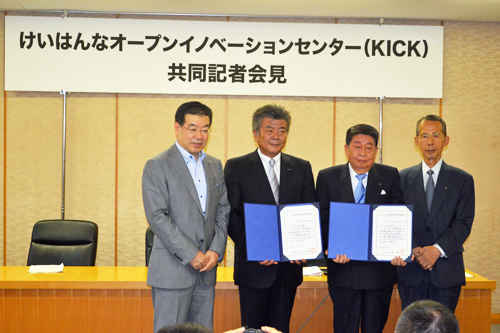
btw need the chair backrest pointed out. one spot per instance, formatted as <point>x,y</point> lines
<point>71,242</point>
<point>150,237</point>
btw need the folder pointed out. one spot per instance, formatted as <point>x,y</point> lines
<point>370,232</point>
<point>270,237</point>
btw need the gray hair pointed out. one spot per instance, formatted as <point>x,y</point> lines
<point>432,117</point>
<point>272,111</point>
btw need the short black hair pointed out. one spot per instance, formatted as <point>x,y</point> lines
<point>195,108</point>
<point>272,111</point>
<point>361,129</point>
<point>426,316</point>
<point>432,117</point>
<point>185,328</point>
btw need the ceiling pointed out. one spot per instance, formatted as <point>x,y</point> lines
<point>442,10</point>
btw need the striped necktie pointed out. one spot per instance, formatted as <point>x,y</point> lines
<point>273,181</point>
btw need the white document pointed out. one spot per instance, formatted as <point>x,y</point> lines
<point>34,269</point>
<point>312,271</point>
<point>300,232</point>
<point>392,232</point>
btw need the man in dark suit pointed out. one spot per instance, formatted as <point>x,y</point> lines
<point>442,220</point>
<point>266,176</point>
<point>361,291</point>
<point>186,206</point>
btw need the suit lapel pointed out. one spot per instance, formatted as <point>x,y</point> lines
<point>260,177</point>
<point>286,176</point>
<point>373,186</point>
<point>211,177</point>
<point>441,189</point>
<point>177,161</point>
<point>345,185</point>
<point>416,186</point>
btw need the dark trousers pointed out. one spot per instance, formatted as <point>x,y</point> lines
<point>352,307</point>
<point>267,307</point>
<point>426,290</point>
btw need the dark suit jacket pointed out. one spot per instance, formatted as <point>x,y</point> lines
<point>334,184</point>
<point>448,223</point>
<point>247,182</point>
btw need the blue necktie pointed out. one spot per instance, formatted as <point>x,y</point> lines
<point>359,195</point>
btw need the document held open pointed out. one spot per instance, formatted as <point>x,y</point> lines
<point>370,232</point>
<point>283,232</point>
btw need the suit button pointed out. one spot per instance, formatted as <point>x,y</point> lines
<point>428,229</point>
<point>201,240</point>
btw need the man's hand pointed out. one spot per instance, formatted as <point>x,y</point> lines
<point>342,259</point>
<point>199,261</point>
<point>298,262</point>
<point>417,251</point>
<point>428,257</point>
<point>398,261</point>
<point>268,262</point>
<point>212,258</point>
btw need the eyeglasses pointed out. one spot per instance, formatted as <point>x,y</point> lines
<point>435,135</point>
<point>195,131</point>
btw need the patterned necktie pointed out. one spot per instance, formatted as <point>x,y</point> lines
<point>429,189</point>
<point>273,181</point>
<point>359,195</point>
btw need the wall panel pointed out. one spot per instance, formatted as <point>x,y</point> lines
<point>34,155</point>
<point>2,143</point>
<point>471,105</point>
<point>90,166</point>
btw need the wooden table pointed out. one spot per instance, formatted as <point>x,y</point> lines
<point>117,299</point>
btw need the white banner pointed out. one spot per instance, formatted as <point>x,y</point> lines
<point>222,58</point>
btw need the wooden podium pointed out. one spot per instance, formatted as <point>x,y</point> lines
<point>117,299</point>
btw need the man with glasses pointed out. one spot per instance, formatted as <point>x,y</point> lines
<point>266,176</point>
<point>186,206</point>
<point>443,199</point>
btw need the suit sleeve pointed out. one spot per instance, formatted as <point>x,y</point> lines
<point>324,207</point>
<point>397,197</point>
<point>156,200</point>
<point>236,229</point>
<point>221,219</point>
<point>460,227</point>
<point>309,191</point>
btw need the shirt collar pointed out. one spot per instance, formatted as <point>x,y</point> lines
<point>353,173</point>
<point>265,159</point>
<point>435,168</point>
<point>187,156</point>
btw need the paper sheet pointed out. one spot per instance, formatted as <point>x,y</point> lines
<point>35,269</point>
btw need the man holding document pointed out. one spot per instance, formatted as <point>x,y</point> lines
<point>444,211</point>
<point>360,290</point>
<point>266,176</point>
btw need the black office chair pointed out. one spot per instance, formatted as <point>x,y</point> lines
<point>71,242</point>
<point>150,237</point>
